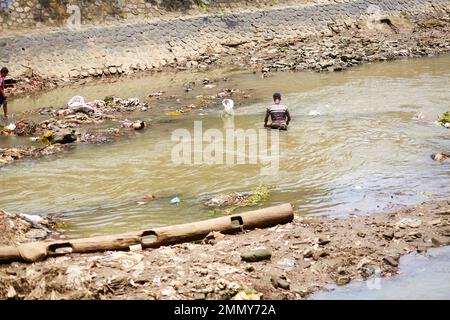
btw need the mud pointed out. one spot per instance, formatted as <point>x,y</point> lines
<point>300,258</point>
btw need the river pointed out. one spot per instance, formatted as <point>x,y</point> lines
<point>353,147</point>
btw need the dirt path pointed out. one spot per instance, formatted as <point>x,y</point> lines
<point>306,255</point>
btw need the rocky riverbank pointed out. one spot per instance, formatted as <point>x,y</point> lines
<point>284,262</point>
<point>325,36</point>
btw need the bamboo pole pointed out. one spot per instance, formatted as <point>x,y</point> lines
<point>151,238</point>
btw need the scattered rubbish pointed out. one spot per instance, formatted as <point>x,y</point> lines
<point>174,113</point>
<point>228,105</point>
<point>444,119</point>
<point>10,127</point>
<point>260,194</point>
<point>33,219</point>
<point>175,200</point>
<point>226,199</point>
<point>11,294</point>
<point>314,113</point>
<point>136,247</point>
<point>168,291</point>
<point>36,234</point>
<point>409,222</point>
<point>213,237</point>
<point>342,280</point>
<point>287,264</point>
<point>156,94</point>
<point>247,295</point>
<point>46,138</point>
<point>64,250</point>
<point>237,200</point>
<point>74,277</point>
<point>75,102</point>
<point>146,198</point>
<point>138,125</point>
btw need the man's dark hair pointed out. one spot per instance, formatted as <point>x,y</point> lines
<point>276,96</point>
<point>4,70</point>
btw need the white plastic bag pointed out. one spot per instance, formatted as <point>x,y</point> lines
<point>75,102</point>
<point>228,105</point>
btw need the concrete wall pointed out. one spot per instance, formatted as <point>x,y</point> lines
<point>96,50</point>
<point>26,14</point>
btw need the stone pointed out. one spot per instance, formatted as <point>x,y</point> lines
<point>391,261</point>
<point>192,64</point>
<point>256,255</point>
<point>74,74</point>
<point>361,234</point>
<point>64,137</point>
<point>11,294</point>
<point>437,242</point>
<point>388,235</point>
<point>308,253</point>
<point>279,282</point>
<point>36,234</point>
<point>342,280</point>
<point>250,268</point>
<point>435,222</point>
<point>323,241</point>
<point>320,254</point>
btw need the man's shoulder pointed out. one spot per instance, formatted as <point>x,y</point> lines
<point>277,107</point>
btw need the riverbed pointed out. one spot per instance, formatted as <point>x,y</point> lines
<point>354,146</point>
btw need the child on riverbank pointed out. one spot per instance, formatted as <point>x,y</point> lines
<point>3,102</point>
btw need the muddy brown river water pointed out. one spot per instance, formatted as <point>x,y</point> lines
<point>353,146</point>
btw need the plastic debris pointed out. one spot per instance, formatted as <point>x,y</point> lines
<point>174,113</point>
<point>10,127</point>
<point>175,200</point>
<point>228,106</point>
<point>75,102</point>
<point>74,277</point>
<point>136,247</point>
<point>250,295</point>
<point>444,119</point>
<point>314,113</point>
<point>287,264</point>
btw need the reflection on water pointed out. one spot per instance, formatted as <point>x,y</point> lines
<point>422,277</point>
<point>352,146</point>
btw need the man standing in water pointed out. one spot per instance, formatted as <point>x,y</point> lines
<point>279,114</point>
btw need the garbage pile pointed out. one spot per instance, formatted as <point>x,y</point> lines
<point>21,228</point>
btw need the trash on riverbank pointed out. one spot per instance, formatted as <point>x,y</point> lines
<point>444,119</point>
<point>21,228</point>
<point>75,102</point>
<point>175,200</point>
<point>235,200</point>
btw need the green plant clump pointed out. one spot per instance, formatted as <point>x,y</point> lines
<point>444,120</point>
<point>260,194</point>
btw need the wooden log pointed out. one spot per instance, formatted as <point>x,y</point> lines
<point>152,238</point>
<point>230,224</point>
